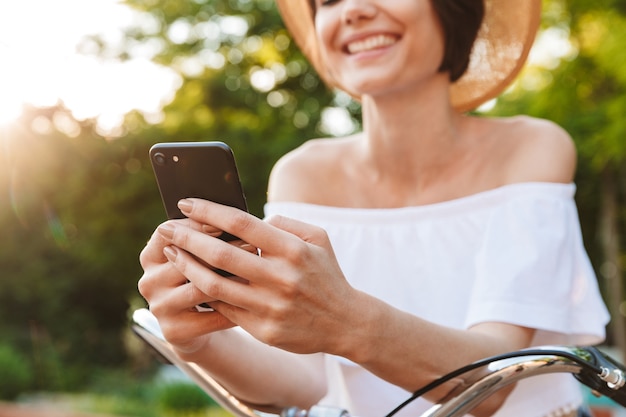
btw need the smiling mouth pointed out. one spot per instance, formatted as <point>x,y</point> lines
<point>371,43</point>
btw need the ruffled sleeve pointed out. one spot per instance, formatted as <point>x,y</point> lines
<point>532,270</point>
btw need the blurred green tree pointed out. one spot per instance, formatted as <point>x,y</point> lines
<point>71,235</point>
<point>584,91</point>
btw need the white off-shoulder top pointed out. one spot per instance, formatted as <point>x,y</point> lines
<point>512,254</point>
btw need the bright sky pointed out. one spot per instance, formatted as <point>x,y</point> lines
<point>39,63</point>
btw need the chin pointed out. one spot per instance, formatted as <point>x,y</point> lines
<point>371,87</point>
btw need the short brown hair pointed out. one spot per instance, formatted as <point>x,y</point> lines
<point>461,20</point>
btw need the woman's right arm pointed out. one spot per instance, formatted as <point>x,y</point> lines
<point>256,373</point>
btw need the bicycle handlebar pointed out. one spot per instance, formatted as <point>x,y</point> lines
<point>498,372</point>
<point>481,379</point>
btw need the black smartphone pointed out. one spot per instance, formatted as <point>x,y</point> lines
<point>204,170</point>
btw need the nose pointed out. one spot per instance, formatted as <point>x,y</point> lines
<point>355,11</point>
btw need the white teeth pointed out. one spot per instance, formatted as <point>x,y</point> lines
<point>373,42</point>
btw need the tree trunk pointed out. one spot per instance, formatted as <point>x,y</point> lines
<point>611,269</point>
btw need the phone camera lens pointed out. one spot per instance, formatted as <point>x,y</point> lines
<point>159,158</point>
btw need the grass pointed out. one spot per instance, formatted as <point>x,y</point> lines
<point>111,405</point>
<point>120,393</point>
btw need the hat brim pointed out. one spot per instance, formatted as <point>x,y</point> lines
<point>499,53</point>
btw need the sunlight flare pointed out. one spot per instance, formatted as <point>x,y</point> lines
<point>42,66</point>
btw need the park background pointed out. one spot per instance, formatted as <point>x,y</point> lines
<point>78,199</point>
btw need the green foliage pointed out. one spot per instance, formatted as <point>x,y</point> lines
<point>183,397</point>
<point>125,392</point>
<point>16,373</point>
<point>584,93</point>
<point>69,248</point>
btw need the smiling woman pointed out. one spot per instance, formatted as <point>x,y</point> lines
<point>42,65</point>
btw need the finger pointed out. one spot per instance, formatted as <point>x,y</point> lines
<point>184,297</point>
<point>233,313</point>
<point>214,253</point>
<point>171,301</point>
<point>153,251</point>
<point>160,278</point>
<point>211,230</point>
<point>243,246</point>
<point>189,325</point>
<point>178,306</point>
<point>208,281</point>
<point>237,222</point>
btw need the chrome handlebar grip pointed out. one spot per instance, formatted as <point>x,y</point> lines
<point>485,381</point>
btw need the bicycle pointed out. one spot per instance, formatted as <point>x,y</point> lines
<point>589,365</point>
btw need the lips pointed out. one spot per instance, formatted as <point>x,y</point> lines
<point>371,43</point>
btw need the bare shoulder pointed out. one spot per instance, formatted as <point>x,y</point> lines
<point>299,174</point>
<point>536,150</point>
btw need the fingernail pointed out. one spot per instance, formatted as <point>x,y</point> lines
<point>185,206</point>
<point>211,231</point>
<point>170,253</point>
<point>167,231</point>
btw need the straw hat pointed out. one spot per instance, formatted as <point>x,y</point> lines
<point>500,50</point>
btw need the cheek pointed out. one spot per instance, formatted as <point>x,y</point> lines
<point>324,31</point>
<point>427,32</point>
